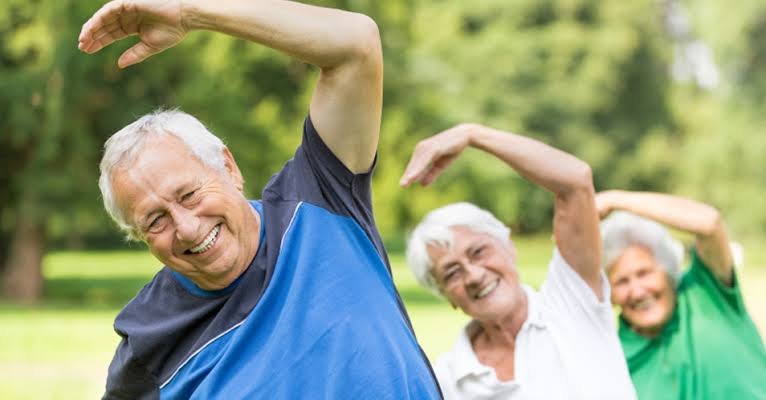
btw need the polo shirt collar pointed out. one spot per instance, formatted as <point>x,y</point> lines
<point>467,363</point>
<point>534,311</point>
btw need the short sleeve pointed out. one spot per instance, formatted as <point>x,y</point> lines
<point>567,295</point>
<point>701,283</point>
<point>129,379</point>
<point>316,176</point>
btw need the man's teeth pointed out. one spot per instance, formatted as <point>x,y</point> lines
<point>208,242</point>
<point>487,289</point>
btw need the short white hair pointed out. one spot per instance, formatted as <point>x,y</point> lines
<point>434,230</point>
<point>123,146</point>
<point>622,230</point>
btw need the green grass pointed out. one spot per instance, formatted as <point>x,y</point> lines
<point>61,348</point>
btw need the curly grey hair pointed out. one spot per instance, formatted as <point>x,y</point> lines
<point>434,230</point>
<point>623,229</point>
<point>123,147</point>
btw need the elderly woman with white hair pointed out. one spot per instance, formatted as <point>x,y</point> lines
<point>685,335</point>
<point>558,343</point>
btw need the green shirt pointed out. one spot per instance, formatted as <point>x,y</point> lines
<point>710,348</point>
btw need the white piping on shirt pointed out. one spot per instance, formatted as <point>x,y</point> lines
<point>289,225</point>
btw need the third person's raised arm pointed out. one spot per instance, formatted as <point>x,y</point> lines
<point>700,219</point>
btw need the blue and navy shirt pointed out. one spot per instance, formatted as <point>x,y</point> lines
<point>315,315</point>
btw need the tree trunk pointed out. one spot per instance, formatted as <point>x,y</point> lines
<point>23,277</point>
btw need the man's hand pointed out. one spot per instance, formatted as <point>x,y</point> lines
<point>347,102</point>
<point>158,24</point>
<point>433,155</point>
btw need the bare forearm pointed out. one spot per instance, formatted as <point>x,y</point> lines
<point>677,212</point>
<point>702,220</point>
<point>575,222</point>
<point>320,36</point>
<point>544,165</point>
<point>346,105</point>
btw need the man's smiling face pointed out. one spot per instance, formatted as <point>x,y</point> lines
<point>194,218</point>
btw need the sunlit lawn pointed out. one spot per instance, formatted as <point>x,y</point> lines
<point>61,348</point>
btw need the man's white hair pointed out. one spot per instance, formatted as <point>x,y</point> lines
<point>434,230</point>
<point>122,148</point>
<point>623,229</point>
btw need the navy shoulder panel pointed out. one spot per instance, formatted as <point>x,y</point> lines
<point>168,321</point>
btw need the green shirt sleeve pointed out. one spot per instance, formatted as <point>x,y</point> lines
<point>709,349</point>
<point>706,288</point>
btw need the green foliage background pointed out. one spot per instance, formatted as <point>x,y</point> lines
<point>590,77</point>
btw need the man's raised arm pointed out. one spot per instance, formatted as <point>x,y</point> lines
<point>346,105</point>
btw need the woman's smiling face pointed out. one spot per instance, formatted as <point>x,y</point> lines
<point>642,288</point>
<point>477,274</point>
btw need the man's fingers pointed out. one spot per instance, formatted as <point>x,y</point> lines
<point>114,29</point>
<point>106,22</point>
<point>104,38</point>
<point>106,13</point>
<point>135,55</point>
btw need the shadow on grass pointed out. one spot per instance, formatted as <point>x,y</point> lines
<point>93,292</point>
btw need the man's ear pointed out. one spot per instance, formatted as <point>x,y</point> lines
<point>233,170</point>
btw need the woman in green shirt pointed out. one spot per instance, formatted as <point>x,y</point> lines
<point>685,335</point>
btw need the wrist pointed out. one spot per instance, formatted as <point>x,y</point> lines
<point>191,15</point>
<point>476,135</point>
<point>614,200</point>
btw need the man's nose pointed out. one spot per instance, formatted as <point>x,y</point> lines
<point>187,225</point>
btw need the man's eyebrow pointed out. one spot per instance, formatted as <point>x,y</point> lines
<point>186,187</point>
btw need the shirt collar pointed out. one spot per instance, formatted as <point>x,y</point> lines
<point>534,311</point>
<point>465,361</point>
<point>634,345</point>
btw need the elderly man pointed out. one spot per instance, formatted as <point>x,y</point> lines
<point>686,335</point>
<point>287,297</point>
<point>558,343</point>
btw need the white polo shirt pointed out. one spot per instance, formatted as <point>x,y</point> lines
<point>566,349</point>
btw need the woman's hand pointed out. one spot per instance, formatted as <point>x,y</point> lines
<point>433,155</point>
<point>605,202</point>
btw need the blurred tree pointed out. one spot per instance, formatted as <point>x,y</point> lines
<point>59,105</point>
<point>721,158</point>
<point>583,75</point>
<point>588,76</point>
<point>55,109</point>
